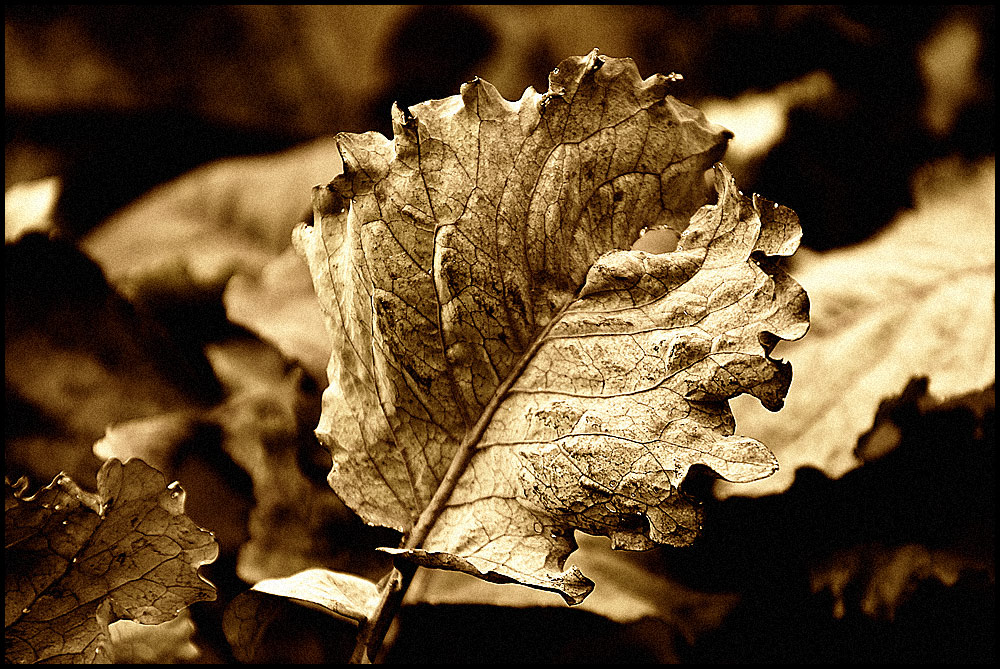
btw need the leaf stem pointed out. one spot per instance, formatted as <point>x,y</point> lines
<point>372,632</point>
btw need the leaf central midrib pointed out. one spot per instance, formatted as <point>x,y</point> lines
<point>467,449</point>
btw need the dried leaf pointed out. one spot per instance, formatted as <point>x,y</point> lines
<point>210,223</point>
<point>165,643</point>
<point>250,615</point>
<point>75,561</point>
<point>280,305</point>
<point>264,427</point>
<point>629,586</point>
<point>476,298</point>
<point>345,594</point>
<point>917,300</point>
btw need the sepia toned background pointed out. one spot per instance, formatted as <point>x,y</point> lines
<point>127,96</point>
<point>157,158</point>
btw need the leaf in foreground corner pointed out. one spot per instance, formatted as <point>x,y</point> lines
<point>76,561</point>
<point>475,297</point>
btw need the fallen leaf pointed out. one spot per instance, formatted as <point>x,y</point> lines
<point>255,616</point>
<point>478,306</point>
<point>917,300</point>
<point>166,643</point>
<point>344,594</point>
<point>78,358</point>
<point>76,561</point>
<point>279,304</point>
<point>878,575</point>
<point>263,427</point>
<point>224,218</point>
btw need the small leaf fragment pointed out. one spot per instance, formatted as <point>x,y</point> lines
<point>250,615</point>
<point>75,561</point>
<point>349,595</point>
<point>164,643</point>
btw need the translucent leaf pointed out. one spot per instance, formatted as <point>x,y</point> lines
<point>350,596</point>
<point>250,615</point>
<point>480,305</point>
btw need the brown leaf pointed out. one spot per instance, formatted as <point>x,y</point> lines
<point>629,586</point>
<point>166,643</point>
<point>76,562</point>
<point>344,594</point>
<point>264,426</point>
<point>264,628</point>
<point>280,305</point>
<point>885,576</point>
<point>78,358</point>
<point>224,218</point>
<point>917,300</point>
<point>477,298</point>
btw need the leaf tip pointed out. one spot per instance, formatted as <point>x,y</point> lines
<point>483,99</point>
<point>404,130</point>
<point>327,200</point>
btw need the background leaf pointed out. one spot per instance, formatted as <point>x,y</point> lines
<point>916,300</point>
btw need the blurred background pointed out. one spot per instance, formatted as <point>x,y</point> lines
<point>116,99</point>
<point>157,158</point>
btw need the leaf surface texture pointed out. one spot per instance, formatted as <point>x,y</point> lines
<point>478,297</point>
<point>76,561</point>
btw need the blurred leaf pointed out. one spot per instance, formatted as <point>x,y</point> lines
<point>228,216</point>
<point>280,305</point>
<point>78,357</point>
<point>76,562</point>
<point>483,320</point>
<point>256,622</point>
<point>884,575</point>
<point>165,643</point>
<point>878,574</point>
<point>263,428</point>
<point>917,300</point>
<point>267,419</point>
<point>29,207</point>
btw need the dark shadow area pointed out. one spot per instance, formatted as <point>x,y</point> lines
<point>431,53</point>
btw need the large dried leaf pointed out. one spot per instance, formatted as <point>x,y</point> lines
<point>475,296</point>
<point>75,562</point>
